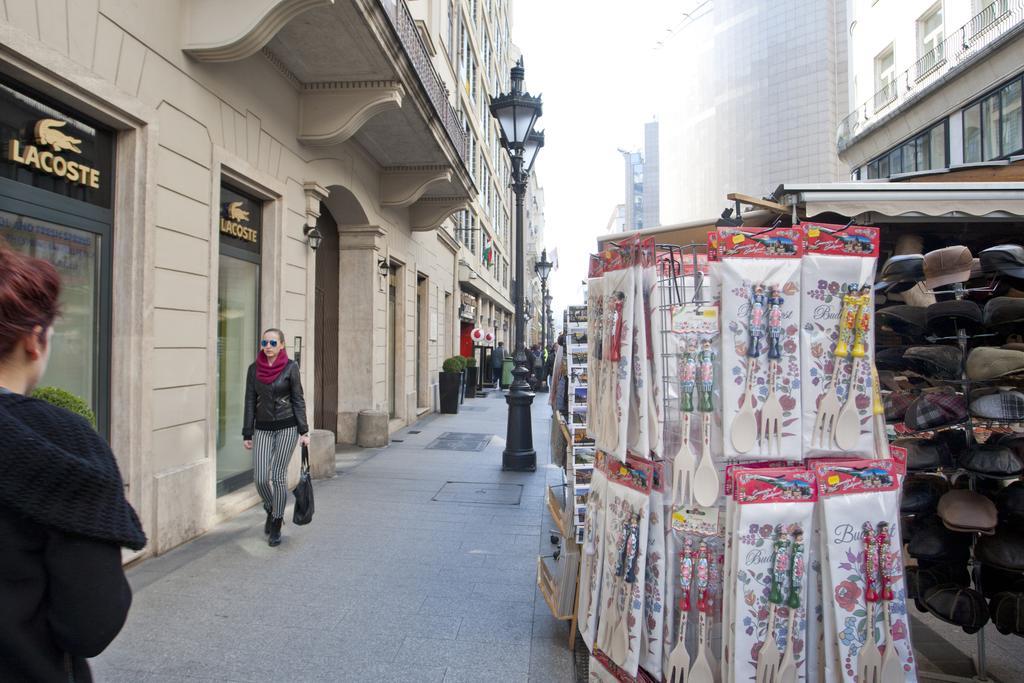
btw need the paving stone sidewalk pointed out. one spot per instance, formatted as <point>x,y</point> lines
<point>395,579</point>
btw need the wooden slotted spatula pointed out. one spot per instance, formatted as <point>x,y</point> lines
<point>701,671</point>
<point>744,424</point>
<point>892,669</point>
<point>869,661</point>
<point>679,658</point>
<point>787,669</point>
<point>768,653</point>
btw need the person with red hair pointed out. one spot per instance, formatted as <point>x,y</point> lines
<point>63,514</point>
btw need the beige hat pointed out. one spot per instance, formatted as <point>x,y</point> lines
<point>948,265</point>
<point>989,363</point>
<point>962,510</point>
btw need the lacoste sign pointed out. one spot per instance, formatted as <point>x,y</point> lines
<point>44,155</point>
<point>231,223</point>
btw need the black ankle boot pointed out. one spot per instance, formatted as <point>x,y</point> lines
<point>267,524</point>
<point>275,532</point>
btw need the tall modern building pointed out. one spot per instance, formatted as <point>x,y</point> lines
<point>757,89</point>
<point>935,90</point>
<point>640,187</point>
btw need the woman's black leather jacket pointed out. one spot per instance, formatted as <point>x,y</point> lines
<point>277,405</point>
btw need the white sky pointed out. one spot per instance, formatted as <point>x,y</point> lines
<point>595,65</point>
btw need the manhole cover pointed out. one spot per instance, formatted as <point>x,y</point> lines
<point>480,493</point>
<point>460,441</point>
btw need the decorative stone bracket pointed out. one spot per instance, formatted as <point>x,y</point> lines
<point>331,113</point>
<point>230,30</point>
<point>428,213</point>
<point>315,193</point>
<point>403,186</point>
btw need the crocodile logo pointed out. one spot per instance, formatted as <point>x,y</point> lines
<point>47,133</point>
<point>236,212</point>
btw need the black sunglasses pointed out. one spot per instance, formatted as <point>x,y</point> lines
<point>264,342</point>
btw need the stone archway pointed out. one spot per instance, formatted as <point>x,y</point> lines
<point>336,389</point>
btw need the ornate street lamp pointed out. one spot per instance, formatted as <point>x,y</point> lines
<point>543,268</point>
<point>517,112</point>
<point>547,316</point>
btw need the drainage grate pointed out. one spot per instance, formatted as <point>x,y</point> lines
<point>414,431</point>
<point>397,441</point>
<point>460,441</point>
<point>479,493</point>
<point>472,409</point>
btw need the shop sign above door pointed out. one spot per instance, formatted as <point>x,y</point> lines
<point>240,219</point>
<point>45,155</point>
<point>47,145</point>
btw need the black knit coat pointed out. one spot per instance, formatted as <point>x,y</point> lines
<point>63,520</point>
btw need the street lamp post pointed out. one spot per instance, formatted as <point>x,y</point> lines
<point>547,317</point>
<point>517,112</point>
<point>543,268</point>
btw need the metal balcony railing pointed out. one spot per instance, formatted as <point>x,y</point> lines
<point>412,42</point>
<point>959,47</point>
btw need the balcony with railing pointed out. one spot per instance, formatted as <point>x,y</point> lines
<point>412,43</point>
<point>960,47</point>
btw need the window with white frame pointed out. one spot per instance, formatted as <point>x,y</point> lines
<point>885,78</point>
<point>929,40</point>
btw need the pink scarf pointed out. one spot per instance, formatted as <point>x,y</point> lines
<point>267,373</point>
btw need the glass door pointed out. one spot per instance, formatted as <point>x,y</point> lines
<point>392,332</point>
<point>237,341</point>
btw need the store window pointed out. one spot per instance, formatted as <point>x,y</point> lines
<point>993,124</point>
<point>238,329</point>
<point>56,179</point>
<point>923,152</point>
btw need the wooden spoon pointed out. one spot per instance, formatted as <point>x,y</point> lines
<point>869,661</point>
<point>744,424</point>
<point>892,669</point>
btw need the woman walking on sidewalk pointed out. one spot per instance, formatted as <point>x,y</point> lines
<point>63,514</point>
<point>275,419</point>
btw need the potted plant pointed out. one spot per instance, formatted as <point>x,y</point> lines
<point>449,382</point>
<point>471,377</point>
<point>67,400</point>
<point>462,377</point>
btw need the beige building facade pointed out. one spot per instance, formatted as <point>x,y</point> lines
<point>215,137</point>
<point>935,90</point>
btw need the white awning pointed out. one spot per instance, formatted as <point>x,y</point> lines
<point>909,200</point>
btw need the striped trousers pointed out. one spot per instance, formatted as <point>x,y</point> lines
<point>271,453</point>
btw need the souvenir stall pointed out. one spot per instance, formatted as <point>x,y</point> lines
<point>743,519</point>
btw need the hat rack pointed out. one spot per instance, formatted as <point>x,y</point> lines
<point>963,340</point>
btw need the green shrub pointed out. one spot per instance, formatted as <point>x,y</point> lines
<point>462,362</point>
<point>452,364</point>
<point>66,400</point>
<point>471,362</point>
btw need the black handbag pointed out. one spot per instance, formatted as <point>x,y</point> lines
<point>303,513</point>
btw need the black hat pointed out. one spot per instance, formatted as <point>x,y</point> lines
<point>933,541</point>
<point>1004,311</point>
<point>992,460</point>
<point>995,580</point>
<point>937,361</point>
<point>964,607</point>
<point>1004,258</point>
<point>903,268</point>
<point>1007,611</point>
<point>905,320</point>
<point>946,317</point>
<point>921,494</point>
<point>926,454</point>
<point>1004,550</point>
<point>1010,504</point>
<point>891,358</point>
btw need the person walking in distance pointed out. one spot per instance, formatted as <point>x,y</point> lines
<point>497,358</point>
<point>274,421</point>
<point>63,514</point>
